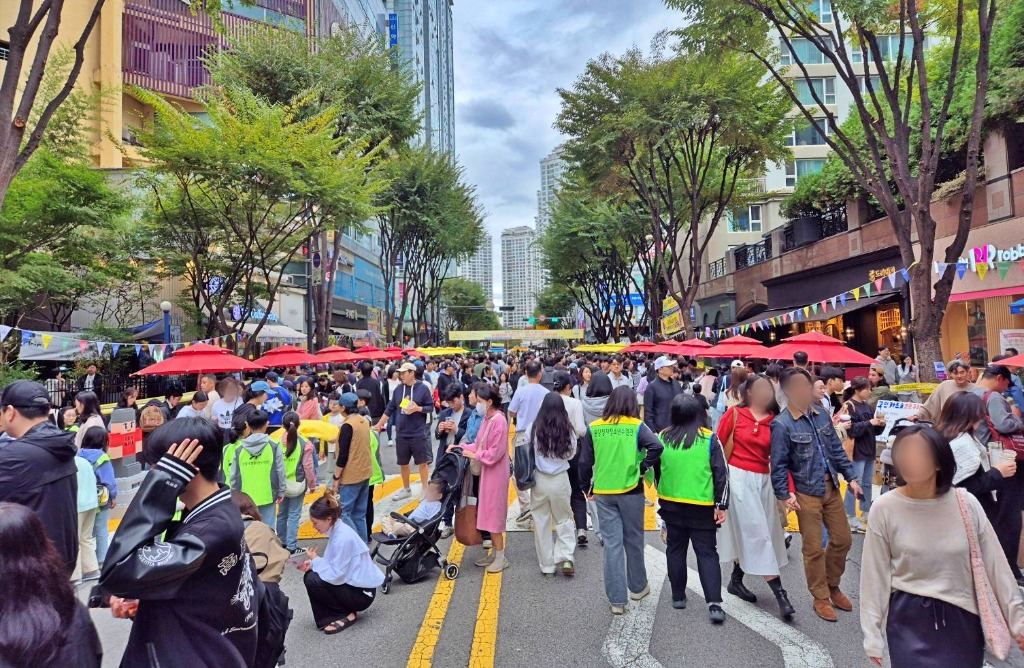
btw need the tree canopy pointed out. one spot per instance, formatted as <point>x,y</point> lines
<point>465,306</point>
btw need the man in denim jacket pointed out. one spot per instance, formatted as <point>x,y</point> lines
<point>805,446</point>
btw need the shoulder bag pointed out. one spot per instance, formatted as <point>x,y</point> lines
<point>730,442</point>
<point>997,633</point>
<point>1014,441</point>
<point>524,466</point>
<point>465,514</point>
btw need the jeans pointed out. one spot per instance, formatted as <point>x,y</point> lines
<point>353,500</point>
<point>101,533</point>
<point>864,473</point>
<point>288,512</point>
<point>621,517</point>
<point>268,513</point>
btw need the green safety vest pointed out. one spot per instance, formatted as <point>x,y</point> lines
<point>228,459</point>
<point>73,428</point>
<point>256,473</point>
<point>378,475</point>
<point>617,454</point>
<point>293,461</point>
<point>686,472</point>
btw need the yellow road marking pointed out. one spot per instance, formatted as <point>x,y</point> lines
<point>650,516</point>
<point>422,655</point>
<point>485,634</point>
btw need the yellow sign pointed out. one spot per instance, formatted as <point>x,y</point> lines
<point>927,388</point>
<point>671,317</point>
<point>875,274</point>
<point>517,334</point>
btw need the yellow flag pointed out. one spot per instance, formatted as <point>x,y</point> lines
<point>982,270</point>
<point>46,341</point>
<point>856,294</point>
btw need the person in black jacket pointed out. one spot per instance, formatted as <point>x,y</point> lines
<point>376,402</point>
<point>864,426</point>
<point>659,395</point>
<point>414,401</point>
<point>190,585</point>
<point>37,465</point>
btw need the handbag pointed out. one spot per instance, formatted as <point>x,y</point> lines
<point>993,624</point>
<point>524,466</point>
<point>1014,441</point>
<point>465,516</point>
<point>844,434</point>
<point>730,442</point>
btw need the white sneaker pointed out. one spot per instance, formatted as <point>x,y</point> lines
<point>636,596</point>
<point>403,493</point>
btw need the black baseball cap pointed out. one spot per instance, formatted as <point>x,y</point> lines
<point>25,394</point>
<point>272,376</point>
<point>993,370</point>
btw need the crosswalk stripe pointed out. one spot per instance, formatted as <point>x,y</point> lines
<point>422,655</point>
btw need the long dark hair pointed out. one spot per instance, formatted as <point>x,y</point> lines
<point>308,396</point>
<point>621,403</point>
<point>39,601</point>
<point>129,392</point>
<point>688,417</point>
<point>290,421</point>
<point>600,385</point>
<point>90,405</point>
<point>959,414</point>
<point>552,432</point>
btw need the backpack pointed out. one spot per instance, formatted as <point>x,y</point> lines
<point>102,493</point>
<point>275,616</point>
<point>151,417</point>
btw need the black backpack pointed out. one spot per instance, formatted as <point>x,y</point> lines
<point>275,616</point>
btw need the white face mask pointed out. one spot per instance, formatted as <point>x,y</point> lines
<point>481,408</point>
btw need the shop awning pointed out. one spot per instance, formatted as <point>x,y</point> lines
<point>840,309</point>
<point>346,331</point>
<point>271,332</point>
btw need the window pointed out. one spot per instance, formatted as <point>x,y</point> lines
<point>806,134</point>
<point>5,50</point>
<point>822,9</point>
<point>873,82</point>
<point>745,220</point>
<point>888,48</point>
<point>825,87</point>
<point>804,51</point>
<point>797,168</point>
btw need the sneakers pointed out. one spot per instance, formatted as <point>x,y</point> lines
<point>523,516</point>
<point>716,614</point>
<point>403,493</point>
<point>856,526</point>
<point>486,544</point>
<point>446,532</point>
<point>664,535</point>
<point>498,563</point>
<point>618,609</point>
<point>679,604</point>
<point>487,559</point>
<point>568,568</point>
<point>639,595</point>
<point>90,576</point>
<point>301,551</point>
<point>581,536</point>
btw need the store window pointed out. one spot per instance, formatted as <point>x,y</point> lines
<point>977,332</point>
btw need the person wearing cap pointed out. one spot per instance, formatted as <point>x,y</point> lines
<point>37,465</point>
<point>1000,422</point>
<point>279,400</point>
<point>959,381</point>
<point>1014,393</point>
<point>354,465</point>
<point>254,397</point>
<point>659,394</point>
<point>412,443</point>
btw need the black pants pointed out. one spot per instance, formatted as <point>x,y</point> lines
<point>1007,522</point>
<point>577,501</point>
<point>925,632</point>
<point>331,603</point>
<point>705,546</point>
<point>369,512</point>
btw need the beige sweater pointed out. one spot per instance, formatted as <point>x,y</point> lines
<point>933,405</point>
<point>919,546</point>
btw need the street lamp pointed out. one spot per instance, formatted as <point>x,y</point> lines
<point>165,306</point>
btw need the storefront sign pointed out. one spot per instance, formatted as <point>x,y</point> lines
<point>671,317</point>
<point>875,274</point>
<point>893,411</point>
<point>989,255</point>
<point>940,371</point>
<point>237,313</point>
<point>1011,338</point>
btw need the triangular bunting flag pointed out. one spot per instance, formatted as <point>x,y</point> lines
<point>26,336</point>
<point>892,280</point>
<point>961,269</point>
<point>82,345</point>
<point>906,275</point>
<point>754,326</point>
<point>100,345</point>
<point>982,270</point>
<point>842,298</point>
<point>824,305</point>
<point>833,300</point>
<point>867,289</point>
<point>138,349</point>
<point>814,307</point>
<point>4,331</point>
<point>157,352</point>
<point>115,347</point>
<point>1003,267</point>
<point>878,284</point>
<point>940,268</point>
<point>856,294</point>
<point>46,341</point>
<point>64,343</point>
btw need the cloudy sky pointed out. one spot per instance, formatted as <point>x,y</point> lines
<point>510,56</point>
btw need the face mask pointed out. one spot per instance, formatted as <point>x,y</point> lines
<point>481,408</point>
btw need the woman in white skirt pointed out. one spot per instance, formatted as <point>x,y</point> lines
<point>751,535</point>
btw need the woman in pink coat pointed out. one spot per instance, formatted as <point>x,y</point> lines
<point>491,449</point>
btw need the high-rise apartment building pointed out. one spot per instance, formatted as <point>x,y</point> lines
<point>368,16</point>
<point>551,168</point>
<point>422,31</point>
<point>520,274</point>
<point>479,268</point>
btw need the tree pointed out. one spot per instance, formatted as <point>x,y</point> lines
<point>464,305</point>
<point>373,102</point>
<point>675,137</point>
<point>37,27</point>
<point>908,146</point>
<point>231,196</point>
<point>555,301</point>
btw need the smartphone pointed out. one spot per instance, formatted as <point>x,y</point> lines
<point>297,559</point>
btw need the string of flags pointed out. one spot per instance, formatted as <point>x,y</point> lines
<point>982,269</point>
<point>158,351</point>
<point>799,314</point>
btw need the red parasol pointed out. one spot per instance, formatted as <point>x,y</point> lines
<point>412,352</point>
<point>337,355</point>
<point>690,348</point>
<point>199,358</point>
<point>640,347</point>
<point>375,353</point>
<point>283,356</point>
<point>738,346</point>
<point>1016,360</point>
<point>819,348</point>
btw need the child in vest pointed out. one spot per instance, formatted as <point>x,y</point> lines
<point>258,467</point>
<point>298,465</point>
<point>86,569</point>
<point>337,418</point>
<point>94,450</point>
<point>428,509</point>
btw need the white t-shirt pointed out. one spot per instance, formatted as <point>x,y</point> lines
<point>223,410</point>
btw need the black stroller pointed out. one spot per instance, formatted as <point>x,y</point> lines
<point>416,555</point>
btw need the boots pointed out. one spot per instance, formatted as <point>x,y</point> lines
<point>785,607</point>
<point>736,586</point>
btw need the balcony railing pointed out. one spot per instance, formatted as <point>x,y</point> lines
<point>716,269</point>
<point>748,256</point>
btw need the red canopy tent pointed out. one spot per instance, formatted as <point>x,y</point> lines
<point>640,347</point>
<point>287,356</point>
<point>690,348</point>
<point>412,352</point>
<point>819,348</point>
<point>336,355</point>
<point>375,353</point>
<point>1016,360</point>
<point>738,347</point>
<point>199,358</point>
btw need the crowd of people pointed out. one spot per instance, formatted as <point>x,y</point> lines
<point>728,452</point>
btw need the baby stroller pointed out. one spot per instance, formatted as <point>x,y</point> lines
<point>417,554</point>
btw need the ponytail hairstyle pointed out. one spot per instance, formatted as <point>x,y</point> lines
<point>326,508</point>
<point>290,422</point>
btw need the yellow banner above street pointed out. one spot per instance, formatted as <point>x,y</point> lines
<point>517,335</point>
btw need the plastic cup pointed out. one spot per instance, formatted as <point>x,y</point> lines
<point>1008,455</point>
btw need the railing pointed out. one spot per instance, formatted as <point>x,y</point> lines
<point>716,269</point>
<point>753,186</point>
<point>748,256</point>
<point>834,222</point>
